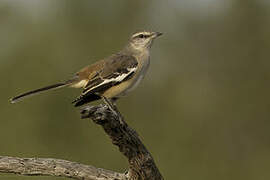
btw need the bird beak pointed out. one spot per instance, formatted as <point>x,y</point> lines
<point>156,34</point>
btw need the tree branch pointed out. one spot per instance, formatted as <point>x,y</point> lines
<point>55,167</point>
<point>141,163</point>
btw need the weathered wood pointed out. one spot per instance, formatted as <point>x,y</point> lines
<point>141,163</point>
<point>55,167</point>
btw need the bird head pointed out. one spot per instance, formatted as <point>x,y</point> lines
<point>143,40</point>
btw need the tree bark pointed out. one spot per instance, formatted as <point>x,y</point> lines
<point>55,167</point>
<point>141,163</point>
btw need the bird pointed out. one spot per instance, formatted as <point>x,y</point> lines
<point>112,77</point>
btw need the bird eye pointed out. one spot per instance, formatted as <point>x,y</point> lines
<point>141,36</point>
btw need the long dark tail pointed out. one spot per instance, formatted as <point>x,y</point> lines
<point>37,91</point>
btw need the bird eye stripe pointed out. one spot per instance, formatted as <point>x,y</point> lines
<point>142,36</point>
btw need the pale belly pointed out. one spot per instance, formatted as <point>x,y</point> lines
<point>127,86</point>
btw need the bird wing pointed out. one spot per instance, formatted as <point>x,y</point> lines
<point>116,69</point>
<point>105,74</point>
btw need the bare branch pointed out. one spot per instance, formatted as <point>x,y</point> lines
<point>141,163</point>
<point>55,167</point>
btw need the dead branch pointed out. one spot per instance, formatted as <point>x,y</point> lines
<point>141,163</point>
<point>55,167</point>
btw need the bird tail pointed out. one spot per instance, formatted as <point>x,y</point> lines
<point>40,90</point>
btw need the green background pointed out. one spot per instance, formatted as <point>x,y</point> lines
<point>203,109</point>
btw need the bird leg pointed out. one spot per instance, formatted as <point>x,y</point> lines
<point>111,105</point>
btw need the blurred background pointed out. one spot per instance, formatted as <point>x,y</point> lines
<point>203,109</point>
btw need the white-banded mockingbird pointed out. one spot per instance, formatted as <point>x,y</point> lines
<point>112,77</point>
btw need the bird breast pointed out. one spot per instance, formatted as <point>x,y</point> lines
<point>142,68</point>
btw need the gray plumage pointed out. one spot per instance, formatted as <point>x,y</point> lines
<point>112,77</point>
